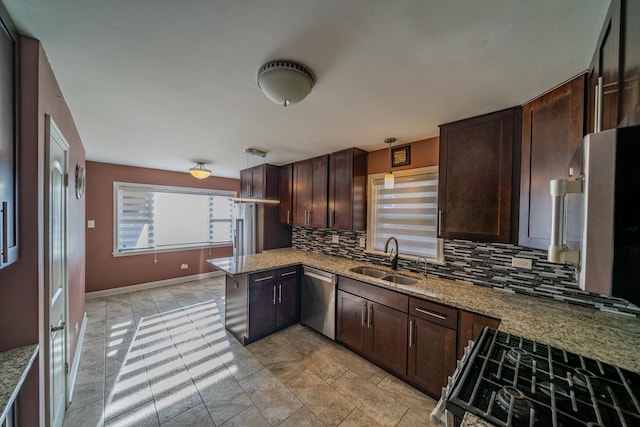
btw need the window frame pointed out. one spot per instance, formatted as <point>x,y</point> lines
<point>371,220</point>
<point>167,189</point>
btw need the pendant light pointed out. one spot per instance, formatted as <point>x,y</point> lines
<point>199,171</point>
<point>389,180</point>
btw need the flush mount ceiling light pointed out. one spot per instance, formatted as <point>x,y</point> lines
<point>389,180</point>
<point>199,171</point>
<point>285,82</point>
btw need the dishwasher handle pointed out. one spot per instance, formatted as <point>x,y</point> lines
<point>328,279</point>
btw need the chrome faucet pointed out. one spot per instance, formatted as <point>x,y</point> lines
<point>423,259</point>
<point>393,256</point>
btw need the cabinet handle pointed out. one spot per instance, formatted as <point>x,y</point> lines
<point>410,333</point>
<point>369,316</point>
<point>288,216</point>
<point>5,233</point>
<point>429,313</point>
<point>274,295</point>
<point>363,312</point>
<point>288,273</point>
<point>262,279</point>
<point>440,222</point>
<point>280,293</point>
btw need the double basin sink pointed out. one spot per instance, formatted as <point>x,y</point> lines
<point>375,273</point>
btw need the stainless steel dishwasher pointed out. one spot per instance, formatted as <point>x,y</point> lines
<point>318,301</point>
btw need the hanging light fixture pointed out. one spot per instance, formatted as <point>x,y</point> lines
<point>285,82</point>
<point>199,171</point>
<point>389,180</point>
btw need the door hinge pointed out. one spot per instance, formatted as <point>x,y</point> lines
<point>66,368</point>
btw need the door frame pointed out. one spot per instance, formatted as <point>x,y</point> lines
<point>53,135</point>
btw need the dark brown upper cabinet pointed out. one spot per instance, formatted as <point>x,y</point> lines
<point>286,193</point>
<point>552,130</point>
<point>260,182</point>
<point>614,77</point>
<point>310,183</point>
<point>8,140</point>
<point>347,190</point>
<point>479,177</point>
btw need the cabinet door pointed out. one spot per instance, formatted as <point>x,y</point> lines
<point>286,193</point>
<point>287,299</point>
<point>630,102</point>
<point>470,326</point>
<point>609,53</point>
<point>351,321</point>
<point>347,190</point>
<point>387,337</point>
<point>432,355</point>
<point>552,131</point>
<point>8,143</point>
<point>302,179</point>
<point>319,184</point>
<point>476,182</point>
<point>261,310</point>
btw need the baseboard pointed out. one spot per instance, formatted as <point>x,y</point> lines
<point>76,360</point>
<point>150,285</point>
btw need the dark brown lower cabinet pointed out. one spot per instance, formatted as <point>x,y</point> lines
<point>376,331</point>
<point>432,345</point>
<point>262,303</point>
<point>470,326</point>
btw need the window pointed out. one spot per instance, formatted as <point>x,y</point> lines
<point>407,212</point>
<point>152,218</point>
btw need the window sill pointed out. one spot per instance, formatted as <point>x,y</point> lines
<point>176,249</point>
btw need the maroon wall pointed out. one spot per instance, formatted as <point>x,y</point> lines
<point>104,271</point>
<point>22,284</point>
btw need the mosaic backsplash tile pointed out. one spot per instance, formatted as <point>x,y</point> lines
<point>484,264</point>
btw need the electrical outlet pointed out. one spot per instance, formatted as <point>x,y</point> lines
<point>363,242</point>
<point>335,238</point>
<point>91,223</point>
<point>525,263</point>
<point>184,266</point>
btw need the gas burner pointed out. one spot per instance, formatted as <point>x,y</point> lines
<point>521,405</point>
<point>582,377</point>
<point>516,356</point>
<point>560,392</point>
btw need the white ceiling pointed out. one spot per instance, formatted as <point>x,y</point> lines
<point>162,83</point>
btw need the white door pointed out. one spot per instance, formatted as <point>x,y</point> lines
<point>57,270</point>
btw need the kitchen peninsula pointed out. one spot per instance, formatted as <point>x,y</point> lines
<point>611,338</point>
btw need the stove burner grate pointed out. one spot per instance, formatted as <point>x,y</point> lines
<point>517,355</point>
<point>511,399</point>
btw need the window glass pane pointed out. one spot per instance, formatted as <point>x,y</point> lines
<point>152,217</point>
<point>181,219</point>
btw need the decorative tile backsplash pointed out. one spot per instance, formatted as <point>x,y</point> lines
<point>484,264</point>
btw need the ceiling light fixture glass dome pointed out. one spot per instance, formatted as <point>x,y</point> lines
<point>285,82</point>
<point>199,171</point>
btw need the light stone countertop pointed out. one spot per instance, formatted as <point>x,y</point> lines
<point>14,366</point>
<point>608,337</point>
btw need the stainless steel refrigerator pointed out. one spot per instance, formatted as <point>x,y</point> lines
<point>607,255</point>
<point>257,227</point>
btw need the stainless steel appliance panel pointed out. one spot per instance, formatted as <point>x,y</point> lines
<point>318,310</point>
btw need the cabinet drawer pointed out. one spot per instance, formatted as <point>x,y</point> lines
<point>436,313</point>
<point>287,273</point>
<point>373,293</point>
<point>262,278</point>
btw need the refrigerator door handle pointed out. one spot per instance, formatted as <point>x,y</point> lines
<point>239,237</point>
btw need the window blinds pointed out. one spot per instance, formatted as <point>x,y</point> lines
<point>407,212</point>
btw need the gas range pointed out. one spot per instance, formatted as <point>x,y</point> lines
<point>512,381</point>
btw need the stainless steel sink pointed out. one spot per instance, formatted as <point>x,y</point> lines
<point>399,279</point>
<point>369,271</point>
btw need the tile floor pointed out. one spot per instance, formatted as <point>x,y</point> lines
<point>162,357</point>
